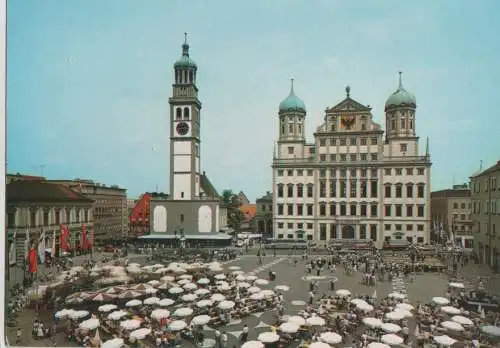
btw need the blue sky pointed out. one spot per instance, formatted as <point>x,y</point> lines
<point>88,81</point>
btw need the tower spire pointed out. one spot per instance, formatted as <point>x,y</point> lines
<point>291,86</point>
<point>185,46</point>
<point>348,91</point>
<point>400,85</point>
<point>427,147</point>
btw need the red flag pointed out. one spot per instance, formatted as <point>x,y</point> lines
<point>63,239</point>
<point>32,260</point>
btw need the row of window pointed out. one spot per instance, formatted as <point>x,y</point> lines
<point>488,182</point>
<point>180,115</point>
<point>344,141</point>
<point>492,206</point>
<point>348,188</point>
<point>462,205</point>
<point>184,76</point>
<point>291,129</point>
<point>351,157</point>
<point>353,209</point>
<point>353,172</point>
<point>46,217</point>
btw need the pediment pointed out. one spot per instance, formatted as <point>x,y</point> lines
<point>349,104</point>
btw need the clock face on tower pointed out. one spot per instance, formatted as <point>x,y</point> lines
<point>182,128</point>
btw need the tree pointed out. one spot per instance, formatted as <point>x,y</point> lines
<point>234,215</point>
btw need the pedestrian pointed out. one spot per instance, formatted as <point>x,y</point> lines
<point>19,334</point>
<point>224,339</point>
<point>244,334</point>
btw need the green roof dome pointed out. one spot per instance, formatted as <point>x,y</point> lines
<point>185,61</point>
<point>292,103</point>
<point>401,97</point>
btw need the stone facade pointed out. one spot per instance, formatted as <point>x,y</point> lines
<point>110,207</point>
<point>351,182</point>
<point>452,210</point>
<point>485,197</point>
<point>264,215</point>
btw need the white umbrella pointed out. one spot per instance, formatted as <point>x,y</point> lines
<point>189,297</point>
<point>444,340</point>
<point>390,327</point>
<point>176,290</point>
<point>450,310</point>
<point>252,344</point>
<point>237,273</point>
<point>267,293</point>
<point>268,337</point>
<point>154,282</point>
<point>378,345</point>
<point>241,278</point>
<point>168,278</point>
<point>289,327</point>
<point>315,321</point>
<point>184,281</point>
<point>220,276</point>
<point>252,277</point>
<point>298,320</point>
<point>117,315</point>
<point>140,334</point>
<point>343,293</point>
<point>283,288</point>
<point>440,301</point>
<point>234,268</point>
<point>395,316</point>
<point>166,302</point>
<point>186,276</point>
<point>133,303</point>
<point>203,303</point>
<point>159,314</point>
<point>190,286</point>
<point>256,296</point>
<point>261,281</point>
<point>253,289</point>
<point>217,297</point>
<point>113,343</point>
<point>451,325</point>
<point>64,313</point>
<point>397,295</point>
<point>392,339</point>
<point>224,287</point>
<point>151,291</point>
<point>107,308</point>
<point>200,320</point>
<point>491,330</point>
<point>177,325</point>
<point>89,324</point>
<point>226,304</point>
<point>183,312</point>
<point>462,320</point>
<point>407,314</point>
<point>201,292</point>
<point>319,345</point>
<point>130,324</point>
<point>244,285</point>
<point>405,307</point>
<point>151,301</point>
<point>365,307</point>
<point>372,322</point>
<point>457,285</point>
<point>78,314</point>
<point>330,337</point>
<point>203,281</point>
<point>357,301</point>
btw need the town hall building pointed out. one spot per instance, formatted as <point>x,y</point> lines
<point>353,182</point>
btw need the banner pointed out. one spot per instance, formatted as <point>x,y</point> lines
<point>41,247</point>
<point>32,260</point>
<point>53,251</point>
<point>83,238</point>
<point>27,243</point>
<point>12,250</point>
<point>63,239</point>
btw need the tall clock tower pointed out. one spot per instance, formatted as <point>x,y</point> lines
<point>185,144</point>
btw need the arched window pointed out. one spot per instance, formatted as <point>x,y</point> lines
<point>178,114</point>
<point>186,113</point>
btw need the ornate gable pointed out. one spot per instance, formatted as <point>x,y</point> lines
<point>348,104</point>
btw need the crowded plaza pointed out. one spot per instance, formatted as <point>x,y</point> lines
<point>339,298</point>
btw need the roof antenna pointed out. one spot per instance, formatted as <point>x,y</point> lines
<point>185,38</point>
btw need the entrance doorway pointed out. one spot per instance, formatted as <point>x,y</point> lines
<point>348,232</point>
